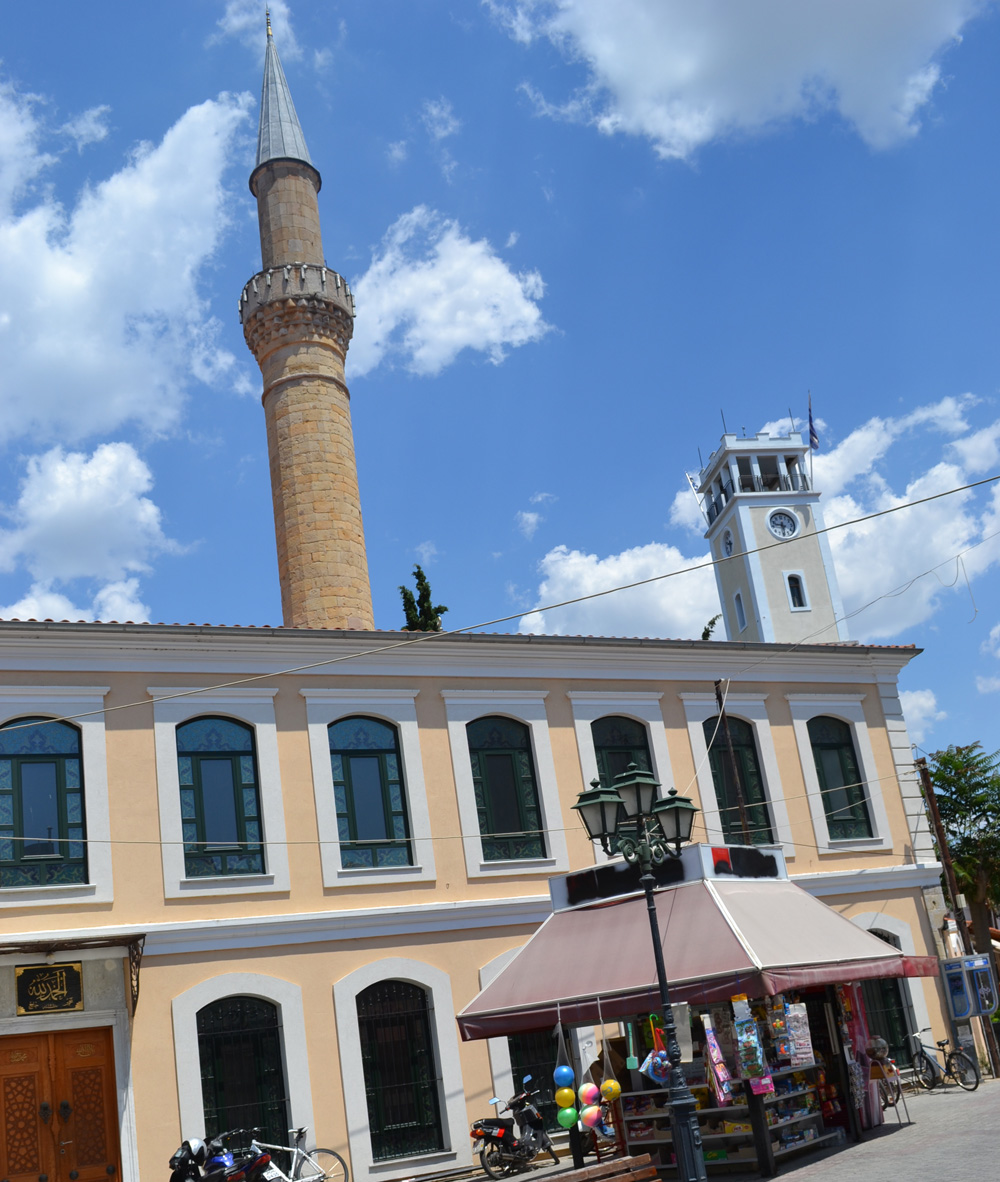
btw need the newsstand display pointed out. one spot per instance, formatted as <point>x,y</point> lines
<point>772,1077</point>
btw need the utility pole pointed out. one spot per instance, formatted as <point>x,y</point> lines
<point>952,890</point>
<point>733,765</point>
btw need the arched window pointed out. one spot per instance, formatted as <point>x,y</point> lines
<point>370,794</point>
<point>845,801</point>
<point>617,743</point>
<point>242,1077</point>
<point>503,776</point>
<point>402,1081</point>
<point>42,823</point>
<point>796,591</point>
<point>220,799</point>
<point>886,1009</point>
<point>751,782</point>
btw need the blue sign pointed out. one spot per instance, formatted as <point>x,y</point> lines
<point>970,986</point>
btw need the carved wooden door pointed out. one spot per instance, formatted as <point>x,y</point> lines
<point>58,1107</point>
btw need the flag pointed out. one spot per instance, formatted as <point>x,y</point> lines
<point>813,437</point>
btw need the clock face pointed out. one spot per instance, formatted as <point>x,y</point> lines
<point>727,542</point>
<point>782,525</point>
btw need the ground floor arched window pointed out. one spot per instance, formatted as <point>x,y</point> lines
<point>887,1011</point>
<point>402,1079</point>
<point>242,1074</point>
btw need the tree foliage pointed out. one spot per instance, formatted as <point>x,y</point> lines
<point>422,614</point>
<point>967,786</point>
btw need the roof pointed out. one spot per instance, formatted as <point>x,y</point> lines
<point>720,937</point>
<point>279,136</point>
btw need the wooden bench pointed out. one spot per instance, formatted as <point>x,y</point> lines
<point>617,1169</point>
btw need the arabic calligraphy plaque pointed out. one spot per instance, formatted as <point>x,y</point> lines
<point>49,988</point>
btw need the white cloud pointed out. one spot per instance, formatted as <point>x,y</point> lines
<point>426,552</point>
<point>528,523</point>
<point>980,451</point>
<point>678,607</point>
<point>21,157</point>
<point>116,327</point>
<point>116,601</point>
<point>81,516</point>
<point>440,119</point>
<point>89,127</point>
<point>921,712</point>
<point>542,498</point>
<point>244,21</point>
<point>685,72</point>
<point>512,238</point>
<point>431,291</point>
<point>396,152</point>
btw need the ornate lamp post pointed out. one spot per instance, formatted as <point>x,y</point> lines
<point>649,831</point>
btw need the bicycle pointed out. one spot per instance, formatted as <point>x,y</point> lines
<point>313,1165</point>
<point>889,1088</point>
<point>927,1071</point>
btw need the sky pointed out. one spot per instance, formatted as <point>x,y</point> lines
<point>581,237</point>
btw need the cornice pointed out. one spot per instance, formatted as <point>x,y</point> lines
<point>322,927</point>
<point>184,650</point>
<point>913,876</point>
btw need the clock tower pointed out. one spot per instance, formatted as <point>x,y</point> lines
<point>773,568</point>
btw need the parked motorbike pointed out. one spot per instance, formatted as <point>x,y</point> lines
<point>501,1152</point>
<point>212,1161</point>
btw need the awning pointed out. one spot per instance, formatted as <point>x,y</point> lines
<point>720,937</point>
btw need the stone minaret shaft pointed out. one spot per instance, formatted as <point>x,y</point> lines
<point>297,320</point>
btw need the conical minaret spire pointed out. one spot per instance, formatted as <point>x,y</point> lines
<point>297,318</point>
<point>279,136</point>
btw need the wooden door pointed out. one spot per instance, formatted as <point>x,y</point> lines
<point>58,1107</point>
<point>27,1152</point>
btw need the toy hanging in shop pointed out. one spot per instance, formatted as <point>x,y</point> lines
<point>749,1052</point>
<point>589,1094</point>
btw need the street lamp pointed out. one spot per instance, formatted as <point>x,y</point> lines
<point>649,831</point>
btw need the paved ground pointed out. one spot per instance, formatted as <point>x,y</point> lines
<point>954,1135</point>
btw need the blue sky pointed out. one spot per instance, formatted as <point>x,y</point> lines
<point>578,234</point>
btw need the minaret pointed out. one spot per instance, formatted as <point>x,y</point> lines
<point>774,569</point>
<point>297,319</point>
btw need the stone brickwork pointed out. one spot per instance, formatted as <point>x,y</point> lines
<point>287,213</point>
<point>297,320</point>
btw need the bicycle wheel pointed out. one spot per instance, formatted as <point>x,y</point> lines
<point>924,1073</point>
<point>888,1093</point>
<point>321,1165</point>
<point>962,1070</point>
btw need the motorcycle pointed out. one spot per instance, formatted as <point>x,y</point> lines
<point>501,1153</point>
<point>212,1161</point>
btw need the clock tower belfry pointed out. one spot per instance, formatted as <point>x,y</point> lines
<point>774,569</point>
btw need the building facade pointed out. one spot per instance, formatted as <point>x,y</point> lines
<point>284,861</point>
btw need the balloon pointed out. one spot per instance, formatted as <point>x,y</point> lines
<point>588,1094</point>
<point>611,1089</point>
<point>563,1076</point>
<point>567,1117</point>
<point>566,1098</point>
<point>591,1115</point>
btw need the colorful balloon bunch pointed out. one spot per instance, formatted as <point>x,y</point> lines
<point>583,1105</point>
<point>564,1079</point>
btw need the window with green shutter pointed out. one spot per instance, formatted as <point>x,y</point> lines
<point>503,776</point>
<point>751,782</point>
<point>220,798</point>
<point>370,794</point>
<point>845,800</point>
<point>42,817</point>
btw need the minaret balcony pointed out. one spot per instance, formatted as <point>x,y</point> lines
<point>295,281</point>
